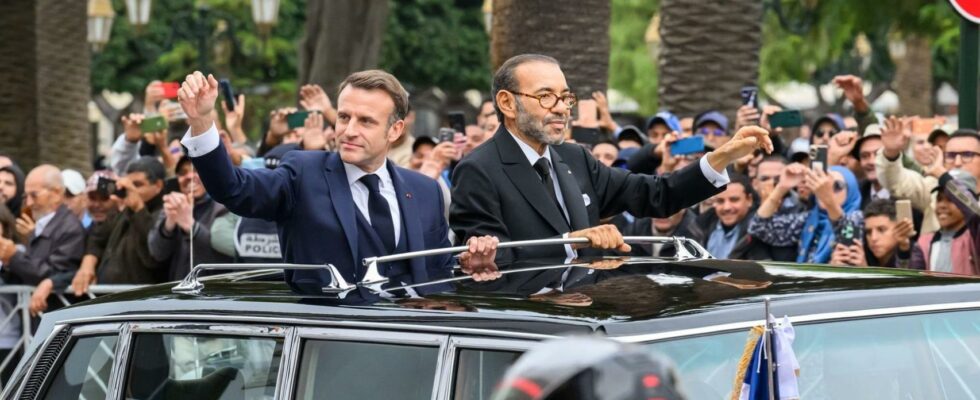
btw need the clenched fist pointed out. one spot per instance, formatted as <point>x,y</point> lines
<point>197,96</point>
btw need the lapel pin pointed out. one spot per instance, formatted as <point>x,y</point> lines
<point>408,195</point>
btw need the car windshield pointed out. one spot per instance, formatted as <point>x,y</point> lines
<point>926,356</point>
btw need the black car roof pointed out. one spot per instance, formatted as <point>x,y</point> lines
<point>641,297</point>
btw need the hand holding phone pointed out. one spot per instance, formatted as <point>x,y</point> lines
<point>296,119</point>
<point>903,210</point>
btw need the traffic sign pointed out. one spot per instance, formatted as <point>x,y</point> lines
<point>969,9</point>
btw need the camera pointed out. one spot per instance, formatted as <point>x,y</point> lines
<point>106,187</point>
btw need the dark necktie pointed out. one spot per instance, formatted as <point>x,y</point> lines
<point>379,212</point>
<point>544,171</point>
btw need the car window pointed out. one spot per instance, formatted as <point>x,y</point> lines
<point>357,370</point>
<point>926,356</point>
<point>177,366</point>
<point>85,372</point>
<point>479,371</point>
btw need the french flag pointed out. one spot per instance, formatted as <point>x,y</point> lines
<point>755,384</point>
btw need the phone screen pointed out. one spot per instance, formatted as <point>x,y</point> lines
<point>297,119</point>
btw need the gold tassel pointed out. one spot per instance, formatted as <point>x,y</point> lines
<point>743,363</point>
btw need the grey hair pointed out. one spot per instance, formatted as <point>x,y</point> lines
<point>504,78</point>
<point>51,176</point>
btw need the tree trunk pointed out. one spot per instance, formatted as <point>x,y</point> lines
<point>342,37</point>
<point>578,37</point>
<point>44,67</point>
<point>709,50</point>
<point>913,77</point>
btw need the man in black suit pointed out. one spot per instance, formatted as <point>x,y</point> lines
<point>526,184</point>
<point>55,242</point>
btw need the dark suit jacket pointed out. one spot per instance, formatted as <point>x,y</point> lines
<point>56,252</point>
<point>309,198</point>
<point>497,192</point>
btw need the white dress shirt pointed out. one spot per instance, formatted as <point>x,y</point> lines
<point>204,143</point>
<point>42,223</point>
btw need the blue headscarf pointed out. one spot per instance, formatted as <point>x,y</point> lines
<point>818,232</point>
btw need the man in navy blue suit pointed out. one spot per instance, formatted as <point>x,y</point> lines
<point>341,207</point>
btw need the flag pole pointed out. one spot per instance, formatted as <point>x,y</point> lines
<point>767,337</point>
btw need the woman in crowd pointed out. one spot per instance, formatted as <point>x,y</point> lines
<point>835,216</point>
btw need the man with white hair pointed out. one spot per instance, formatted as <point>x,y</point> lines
<point>57,240</point>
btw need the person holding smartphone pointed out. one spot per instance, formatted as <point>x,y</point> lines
<point>887,240</point>
<point>835,214</point>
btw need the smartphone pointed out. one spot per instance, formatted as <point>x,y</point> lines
<point>848,233</point>
<point>446,135</point>
<point>154,124</point>
<point>170,89</point>
<point>903,210</point>
<point>227,93</point>
<point>26,211</point>
<point>589,136</point>
<point>750,96</point>
<point>297,119</point>
<point>786,119</point>
<point>106,187</point>
<point>457,121</point>
<point>818,155</point>
<point>691,145</point>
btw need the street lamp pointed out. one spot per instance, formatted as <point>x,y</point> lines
<point>100,15</point>
<point>266,14</point>
<point>138,13</point>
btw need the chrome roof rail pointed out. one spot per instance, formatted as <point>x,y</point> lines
<point>192,285</point>
<point>373,280</point>
<point>683,245</point>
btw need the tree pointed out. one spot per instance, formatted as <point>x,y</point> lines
<point>436,43</point>
<point>632,68</point>
<point>342,36</point>
<point>578,37</point>
<point>709,50</point>
<point>813,41</point>
<point>167,49</point>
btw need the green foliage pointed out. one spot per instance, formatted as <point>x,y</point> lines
<point>168,49</point>
<point>829,47</point>
<point>632,68</point>
<point>433,43</point>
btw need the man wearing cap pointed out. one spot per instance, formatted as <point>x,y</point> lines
<point>954,248</point>
<point>660,125</point>
<point>865,151</point>
<point>74,188</point>
<point>905,183</point>
<point>713,125</point>
<point>825,127</point>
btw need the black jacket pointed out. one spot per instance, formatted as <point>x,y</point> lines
<point>120,243</point>
<point>497,192</point>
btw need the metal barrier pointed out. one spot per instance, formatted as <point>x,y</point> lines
<point>20,312</point>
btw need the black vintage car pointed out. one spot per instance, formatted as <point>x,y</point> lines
<point>861,333</point>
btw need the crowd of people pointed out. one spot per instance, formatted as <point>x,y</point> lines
<point>137,220</point>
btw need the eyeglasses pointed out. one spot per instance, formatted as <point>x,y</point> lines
<point>711,132</point>
<point>967,156</point>
<point>824,132</point>
<point>550,100</point>
<point>839,186</point>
